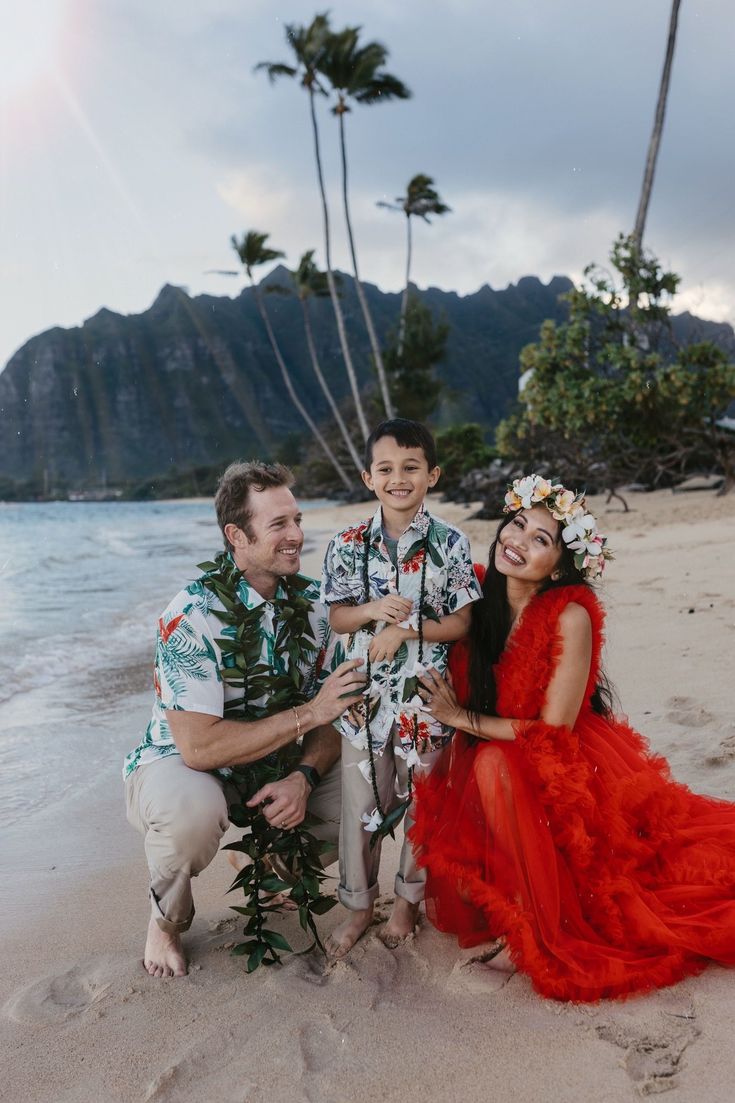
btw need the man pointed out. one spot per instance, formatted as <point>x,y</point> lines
<point>176,780</point>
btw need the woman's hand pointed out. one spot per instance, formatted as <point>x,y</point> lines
<point>441,700</point>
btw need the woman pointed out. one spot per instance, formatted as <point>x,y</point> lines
<point>549,824</point>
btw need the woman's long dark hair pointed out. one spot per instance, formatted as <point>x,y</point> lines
<point>490,628</point>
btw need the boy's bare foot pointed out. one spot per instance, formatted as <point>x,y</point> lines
<point>163,956</point>
<point>344,936</point>
<point>401,925</point>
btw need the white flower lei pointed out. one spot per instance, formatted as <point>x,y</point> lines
<point>579,528</point>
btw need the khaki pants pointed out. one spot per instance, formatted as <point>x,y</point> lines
<point>182,815</point>
<point>358,864</point>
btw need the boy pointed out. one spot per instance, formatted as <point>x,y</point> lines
<point>396,585</point>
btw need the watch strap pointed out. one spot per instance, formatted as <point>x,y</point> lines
<point>311,774</point>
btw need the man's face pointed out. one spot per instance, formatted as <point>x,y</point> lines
<point>273,548</point>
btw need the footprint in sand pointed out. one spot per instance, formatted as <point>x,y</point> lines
<point>653,1051</point>
<point>325,1052</point>
<point>220,1069</point>
<point>57,998</point>
<point>724,753</point>
<point>686,712</point>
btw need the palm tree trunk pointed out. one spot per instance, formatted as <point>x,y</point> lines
<point>404,296</point>
<point>323,384</point>
<point>374,344</point>
<point>333,294</point>
<point>658,126</point>
<point>292,392</point>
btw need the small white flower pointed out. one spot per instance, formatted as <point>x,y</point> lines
<point>364,768</point>
<point>410,622</point>
<point>373,821</point>
<point>411,756</point>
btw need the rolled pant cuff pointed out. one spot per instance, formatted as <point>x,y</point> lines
<point>412,891</point>
<point>168,925</point>
<point>358,901</point>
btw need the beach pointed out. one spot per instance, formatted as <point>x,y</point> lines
<point>82,1021</point>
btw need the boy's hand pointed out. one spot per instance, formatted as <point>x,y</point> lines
<point>393,608</point>
<point>386,643</point>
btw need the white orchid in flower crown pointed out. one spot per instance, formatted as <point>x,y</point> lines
<point>579,528</point>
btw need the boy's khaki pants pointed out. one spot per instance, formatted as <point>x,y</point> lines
<point>182,815</point>
<point>358,864</point>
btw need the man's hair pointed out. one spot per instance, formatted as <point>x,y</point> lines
<point>409,434</point>
<point>232,500</point>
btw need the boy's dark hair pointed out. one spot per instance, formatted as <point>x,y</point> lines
<point>409,434</point>
<point>232,500</point>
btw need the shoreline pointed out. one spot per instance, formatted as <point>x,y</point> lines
<point>82,1021</point>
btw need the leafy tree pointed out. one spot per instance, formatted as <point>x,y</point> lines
<point>355,73</point>
<point>309,45</point>
<point>461,448</point>
<point>609,399</point>
<point>415,389</point>
<point>253,252</point>
<point>421,200</point>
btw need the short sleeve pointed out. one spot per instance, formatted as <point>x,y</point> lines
<point>187,676</point>
<point>462,585</point>
<point>341,581</point>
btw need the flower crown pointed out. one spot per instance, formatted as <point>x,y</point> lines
<point>579,528</point>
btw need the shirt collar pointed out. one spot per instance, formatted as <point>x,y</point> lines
<point>250,597</point>
<point>420,523</point>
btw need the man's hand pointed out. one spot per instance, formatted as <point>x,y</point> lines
<point>393,608</point>
<point>343,688</point>
<point>384,646</point>
<point>284,802</point>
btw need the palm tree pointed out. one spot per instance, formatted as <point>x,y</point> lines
<point>356,73</point>
<point>253,251</point>
<point>308,45</point>
<point>421,200</point>
<point>310,282</point>
<point>658,125</point>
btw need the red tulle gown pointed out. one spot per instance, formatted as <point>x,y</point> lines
<point>606,876</point>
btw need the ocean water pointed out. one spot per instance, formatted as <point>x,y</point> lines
<point>81,588</point>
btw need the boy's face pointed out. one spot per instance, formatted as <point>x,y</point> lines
<point>399,477</point>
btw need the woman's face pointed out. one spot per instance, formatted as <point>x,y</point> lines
<point>529,546</point>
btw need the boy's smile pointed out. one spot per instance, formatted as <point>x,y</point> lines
<point>399,477</point>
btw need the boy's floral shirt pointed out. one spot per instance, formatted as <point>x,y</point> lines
<point>450,584</point>
<point>187,674</point>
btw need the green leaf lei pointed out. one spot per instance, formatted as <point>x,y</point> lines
<point>280,860</point>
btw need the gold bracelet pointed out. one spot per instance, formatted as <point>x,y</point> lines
<point>298,722</point>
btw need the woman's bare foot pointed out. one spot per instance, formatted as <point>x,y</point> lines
<point>499,958</point>
<point>401,925</point>
<point>163,956</point>
<point>344,936</point>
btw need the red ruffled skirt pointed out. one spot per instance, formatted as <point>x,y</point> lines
<point>605,876</point>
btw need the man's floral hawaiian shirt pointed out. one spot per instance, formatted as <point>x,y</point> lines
<point>450,584</point>
<point>188,660</point>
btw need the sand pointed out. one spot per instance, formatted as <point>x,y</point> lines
<point>81,1021</point>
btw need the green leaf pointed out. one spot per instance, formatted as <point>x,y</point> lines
<point>274,883</point>
<point>323,904</point>
<point>273,938</point>
<point>257,956</point>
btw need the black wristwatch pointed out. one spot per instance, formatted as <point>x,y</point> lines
<point>310,773</point>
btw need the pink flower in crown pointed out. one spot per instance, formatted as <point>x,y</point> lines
<point>542,489</point>
<point>512,501</point>
<point>563,503</point>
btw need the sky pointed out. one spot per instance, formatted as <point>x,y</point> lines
<point>135,139</point>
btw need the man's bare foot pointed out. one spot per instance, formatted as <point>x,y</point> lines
<point>163,956</point>
<point>344,937</point>
<point>401,925</point>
